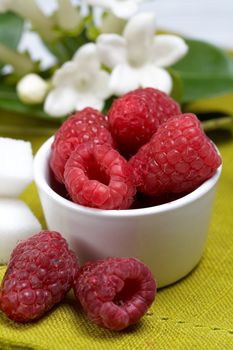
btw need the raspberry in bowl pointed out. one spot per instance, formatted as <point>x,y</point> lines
<point>177,168</point>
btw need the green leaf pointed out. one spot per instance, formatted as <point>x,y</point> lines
<point>204,58</point>
<point>11,27</point>
<point>206,71</point>
<point>65,47</point>
<point>9,102</point>
<point>108,104</point>
<point>92,32</point>
<point>201,87</point>
<point>15,125</point>
<point>177,88</point>
<point>72,44</point>
<point>59,50</point>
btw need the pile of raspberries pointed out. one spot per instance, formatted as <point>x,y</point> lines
<point>144,145</point>
<point>114,292</point>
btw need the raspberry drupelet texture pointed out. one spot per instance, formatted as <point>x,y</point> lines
<point>98,176</point>
<point>178,158</point>
<point>115,292</point>
<point>86,125</point>
<point>134,117</point>
<point>40,272</point>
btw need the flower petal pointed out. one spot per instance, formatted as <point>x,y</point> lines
<point>87,57</point>
<point>89,100</point>
<point>111,49</point>
<point>123,79</point>
<point>139,34</point>
<point>101,85</point>
<point>124,9</point>
<point>168,49</point>
<point>158,78</point>
<point>60,101</point>
<point>65,74</point>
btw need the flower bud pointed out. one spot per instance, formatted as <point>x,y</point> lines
<point>32,89</point>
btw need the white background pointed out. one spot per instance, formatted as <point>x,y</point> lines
<point>210,20</point>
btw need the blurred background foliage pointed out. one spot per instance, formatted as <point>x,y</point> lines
<point>202,80</point>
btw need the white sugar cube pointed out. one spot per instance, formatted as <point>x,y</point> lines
<point>17,222</point>
<point>16,166</point>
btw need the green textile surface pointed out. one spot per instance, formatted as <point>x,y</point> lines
<point>195,313</point>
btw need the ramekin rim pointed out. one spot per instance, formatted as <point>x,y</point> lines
<point>180,202</point>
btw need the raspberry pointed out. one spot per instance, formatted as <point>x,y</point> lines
<point>115,292</point>
<point>41,271</point>
<point>134,117</point>
<point>178,158</point>
<point>86,125</point>
<point>98,176</point>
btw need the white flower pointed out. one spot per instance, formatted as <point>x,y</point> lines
<point>32,89</point>
<point>78,84</point>
<point>138,56</point>
<point>120,8</point>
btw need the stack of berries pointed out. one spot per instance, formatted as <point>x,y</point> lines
<point>145,145</point>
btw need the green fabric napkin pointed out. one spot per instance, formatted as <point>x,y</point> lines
<point>195,313</point>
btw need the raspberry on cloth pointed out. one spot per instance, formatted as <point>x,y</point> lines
<point>115,292</point>
<point>40,272</point>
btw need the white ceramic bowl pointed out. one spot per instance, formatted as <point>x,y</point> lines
<point>170,238</point>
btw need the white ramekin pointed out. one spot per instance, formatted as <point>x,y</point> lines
<point>169,238</point>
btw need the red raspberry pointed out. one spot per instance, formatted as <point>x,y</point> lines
<point>86,125</point>
<point>41,271</point>
<point>98,176</point>
<point>134,117</point>
<point>178,158</point>
<point>115,292</point>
